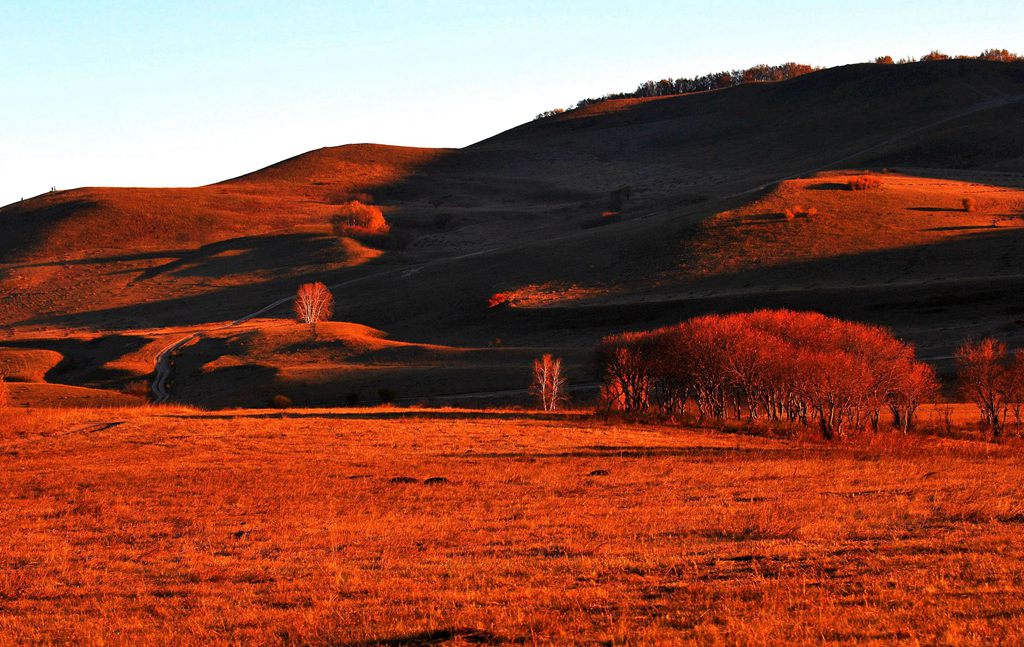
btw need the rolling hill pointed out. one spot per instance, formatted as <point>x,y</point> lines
<point>699,185</point>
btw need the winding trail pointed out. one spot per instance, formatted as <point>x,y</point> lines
<point>163,364</point>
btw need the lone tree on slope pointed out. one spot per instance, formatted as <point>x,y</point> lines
<point>313,303</point>
<point>548,382</point>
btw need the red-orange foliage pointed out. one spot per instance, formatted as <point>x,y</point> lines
<point>4,393</point>
<point>863,183</point>
<point>499,299</point>
<point>969,204</point>
<point>935,55</point>
<point>992,379</point>
<point>313,303</point>
<point>1001,55</point>
<point>776,365</point>
<point>354,217</point>
<point>800,212</point>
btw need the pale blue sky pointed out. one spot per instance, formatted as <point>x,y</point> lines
<point>183,93</point>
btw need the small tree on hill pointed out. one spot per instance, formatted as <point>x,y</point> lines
<point>988,380</point>
<point>313,303</point>
<point>969,205</point>
<point>548,382</point>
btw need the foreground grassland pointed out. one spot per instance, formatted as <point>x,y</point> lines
<point>179,527</point>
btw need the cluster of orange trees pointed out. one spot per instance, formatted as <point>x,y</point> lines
<point>355,217</point>
<point>774,365</point>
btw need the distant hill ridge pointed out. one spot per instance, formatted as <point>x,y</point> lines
<point>760,74</point>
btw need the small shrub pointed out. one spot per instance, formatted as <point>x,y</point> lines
<point>799,212</point>
<point>499,299</point>
<point>884,60</point>
<point>969,204</point>
<point>281,401</point>
<point>5,396</point>
<point>386,396</point>
<point>863,183</point>
<point>355,217</point>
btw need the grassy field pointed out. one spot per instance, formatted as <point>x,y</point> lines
<point>173,526</point>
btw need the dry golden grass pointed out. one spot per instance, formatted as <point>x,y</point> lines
<point>27,364</point>
<point>898,211</point>
<point>173,526</point>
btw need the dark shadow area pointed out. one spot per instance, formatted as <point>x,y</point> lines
<point>84,359</point>
<point>962,228</point>
<point>605,451</point>
<point>828,186</point>
<point>423,414</point>
<point>26,223</point>
<point>120,258</point>
<point>436,637</point>
<point>249,254</point>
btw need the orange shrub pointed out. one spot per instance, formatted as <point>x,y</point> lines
<point>969,205</point>
<point>4,393</point>
<point>354,217</point>
<point>799,212</point>
<point>863,183</point>
<point>499,299</point>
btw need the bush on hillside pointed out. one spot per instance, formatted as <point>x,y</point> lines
<point>863,183</point>
<point>281,401</point>
<point>355,218</point>
<point>799,212</point>
<point>777,366</point>
<point>5,396</point>
<point>969,205</point>
<point>499,299</point>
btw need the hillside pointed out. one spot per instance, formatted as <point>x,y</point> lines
<point>708,177</point>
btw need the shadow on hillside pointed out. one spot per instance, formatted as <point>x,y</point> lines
<point>625,451</point>
<point>434,637</point>
<point>83,362</point>
<point>118,258</point>
<point>249,254</point>
<point>937,209</point>
<point>965,279</point>
<point>963,228</point>
<point>828,186</point>
<point>420,414</point>
<point>25,224</point>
